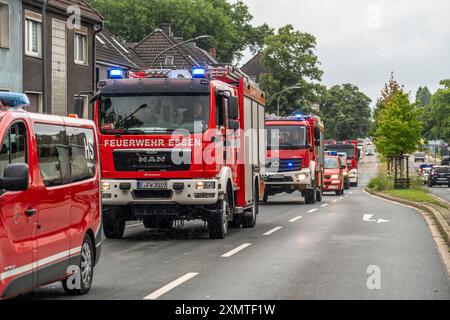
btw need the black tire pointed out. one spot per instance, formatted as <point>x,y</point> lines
<point>218,221</point>
<point>249,218</point>
<point>347,184</point>
<point>113,223</point>
<point>310,195</point>
<point>158,222</point>
<point>319,195</point>
<point>338,193</point>
<point>86,271</point>
<point>266,196</point>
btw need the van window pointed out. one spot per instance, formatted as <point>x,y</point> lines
<point>13,148</point>
<point>53,152</point>
<point>82,150</point>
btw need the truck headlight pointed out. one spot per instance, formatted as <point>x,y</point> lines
<point>301,176</point>
<point>106,186</point>
<point>345,173</point>
<point>203,185</point>
<point>334,177</point>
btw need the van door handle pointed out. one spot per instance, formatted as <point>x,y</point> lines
<point>30,212</point>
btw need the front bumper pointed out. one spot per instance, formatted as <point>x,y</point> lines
<point>353,176</point>
<point>332,185</point>
<point>299,179</point>
<point>174,194</point>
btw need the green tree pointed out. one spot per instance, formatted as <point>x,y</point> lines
<point>423,97</point>
<point>346,112</point>
<point>397,128</point>
<point>437,118</point>
<point>290,57</point>
<point>227,23</point>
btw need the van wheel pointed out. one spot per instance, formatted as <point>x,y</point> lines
<point>249,218</point>
<point>82,285</point>
<point>218,221</point>
<point>113,223</point>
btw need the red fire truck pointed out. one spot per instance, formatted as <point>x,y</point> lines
<point>295,156</point>
<point>350,148</point>
<point>178,145</point>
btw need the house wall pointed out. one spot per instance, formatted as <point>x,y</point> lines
<point>11,58</point>
<point>79,77</point>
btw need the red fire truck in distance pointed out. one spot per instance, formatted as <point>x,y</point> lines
<point>295,156</point>
<point>351,149</point>
<point>181,147</point>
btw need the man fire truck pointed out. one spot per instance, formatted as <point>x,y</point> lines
<point>294,156</point>
<point>351,149</point>
<point>178,145</point>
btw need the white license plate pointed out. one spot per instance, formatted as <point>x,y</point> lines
<point>332,187</point>
<point>277,176</point>
<point>160,185</point>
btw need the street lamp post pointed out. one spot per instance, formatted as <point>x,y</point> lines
<point>176,45</point>
<point>279,94</point>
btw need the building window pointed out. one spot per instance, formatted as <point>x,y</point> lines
<point>81,48</point>
<point>35,101</point>
<point>4,25</point>
<point>33,41</point>
<point>169,61</point>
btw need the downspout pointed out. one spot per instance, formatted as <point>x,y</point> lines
<point>94,71</point>
<point>44,57</point>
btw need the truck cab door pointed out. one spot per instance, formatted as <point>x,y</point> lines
<point>17,216</point>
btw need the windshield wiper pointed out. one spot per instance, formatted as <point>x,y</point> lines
<point>142,106</point>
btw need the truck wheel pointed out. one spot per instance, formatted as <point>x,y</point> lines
<point>113,223</point>
<point>266,196</point>
<point>82,285</point>
<point>310,195</point>
<point>319,196</point>
<point>218,221</point>
<point>249,218</point>
<point>347,184</point>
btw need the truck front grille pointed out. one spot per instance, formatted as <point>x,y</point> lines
<point>285,165</point>
<point>150,160</point>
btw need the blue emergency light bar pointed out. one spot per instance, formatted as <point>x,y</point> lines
<point>332,153</point>
<point>116,73</point>
<point>198,72</point>
<point>13,99</point>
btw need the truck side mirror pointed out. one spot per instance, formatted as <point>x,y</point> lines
<point>15,177</point>
<point>233,108</point>
<point>79,106</point>
<point>234,125</point>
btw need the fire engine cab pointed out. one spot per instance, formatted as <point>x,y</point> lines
<point>179,145</point>
<point>350,149</point>
<point>295,156</point>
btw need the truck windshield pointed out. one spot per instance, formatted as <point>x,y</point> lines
<point>153,113</point>
<point>347,148</point>
<point>286,137</point>
<point>331,163</point>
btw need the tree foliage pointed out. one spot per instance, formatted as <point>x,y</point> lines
<point>290,57</point>
<point>423,97</point>
<point>346,112</point>
<point>397,125</point>
<point>227,23</point>
<point>437,116</point>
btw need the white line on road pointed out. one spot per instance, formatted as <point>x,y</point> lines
<point>334,201</point>
<point>324,205</point>
<point>268,233</point>
<point>236,250</point>
<point>341,198</point>
<point>170,286</point>
<point>350,192</point>
<point>312,210</point>
<point>295,219</point>
<point>133,225</point>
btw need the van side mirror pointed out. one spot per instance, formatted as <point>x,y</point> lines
<point>15,178</point>
<point>79,106</point>
<point>234,125</point>
<point>233,108</point>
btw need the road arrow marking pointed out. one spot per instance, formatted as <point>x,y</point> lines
<point>367,217</point>
<point>382,221</point>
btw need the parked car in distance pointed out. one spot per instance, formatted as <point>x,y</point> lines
<point>424,174</point>
<point>50,221</point>
<point>439,175</point>
<point>445,160</point>
<point>419,157</point>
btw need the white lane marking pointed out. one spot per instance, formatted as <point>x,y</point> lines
<point>351,193</point>
<point>324,205</point>
<point>170,286</point>
<point>334,201</point>
<point>133,225</point>
<point>295,219</point>
<point>341,198</point>
<point>312,210</point>
<point>268,233</point>
<point>236,250</point>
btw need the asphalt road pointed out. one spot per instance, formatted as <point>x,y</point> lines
<point>296,251</point>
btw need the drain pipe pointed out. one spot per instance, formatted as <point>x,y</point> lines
<point>44,57</point>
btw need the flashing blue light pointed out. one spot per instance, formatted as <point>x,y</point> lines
<point>290,164</point>
<point>299,116</point>
<point>13,99</point>
<point>198,72</point>
<point>116,74</point>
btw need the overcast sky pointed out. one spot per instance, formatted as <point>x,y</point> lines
<point>362,41</point>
